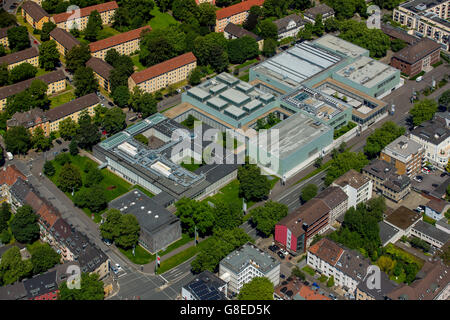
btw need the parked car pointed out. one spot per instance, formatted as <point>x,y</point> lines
<point>282,276</point>
<point>111,104</point>
<point>58,141</point>
<point>418,178</point>
<point>65,150</point>
<point>426,170</point>
<point>443,174</point>
<point>435,185</point>
<point>274,248</point>
<point>419,209</point>
<point>280,255</point>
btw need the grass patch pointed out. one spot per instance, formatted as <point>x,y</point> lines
<point>185,238</point>
<point>247,63</point>
<point>60,99</point>
<point>344,129</point>
<point>421,73</point>
<point>161,20</point>
<point>273,181</point>
<point>141,256</point>
<point>107,32</point>
<point>429,220</point>
<point>309,270</point>
<point>181,257</point>
<point>323,278</point>
<point>24,23</point>
<point>137,63</point>
<point>41,72</point>
<point>245,77</point>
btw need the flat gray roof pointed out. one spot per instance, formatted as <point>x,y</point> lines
<point>367,72</point>
<point>341,46</point>
<point>240,258</point>
<point>403,146</point>
<point>432,231</point>
<point>235,96</point>
<point>387,232</point>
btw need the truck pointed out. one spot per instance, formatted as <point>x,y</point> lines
<point>9,155</point>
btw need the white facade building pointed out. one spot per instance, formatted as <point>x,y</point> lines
<point>357,187</point>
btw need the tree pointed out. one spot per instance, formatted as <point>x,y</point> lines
<point>142,102</point>
<point>129,232</point>
<point>47,27</point>
<point>22,72</point>
<point>112,56</point>
<point>259,288</point>
<point>6,19</point>
<point>267,216</point>
<point>275,8</point>
<point>39,141</point>
<point>381,137</point>
<point>24,225</point>
<point>193,214</point>
<point>308,192</point>
<point>227,215</point>
<point>87,133</point>
<point>5,212</point>
<point>94,176</point>
<point>13,268</point>
<point>306,32</point>
<point>444,99</point>
<point>331,25</point>
<point>330,282</point>
<point>252,184</point>
<point>43,257</point>
<point>91,289</point>
<point>185,10</point>
<point>38,94</point>
<point>114,120</point>
<point>423,110</point>
<point>269,47</point>
<point>343,163</point>
<point>69,178</point>
<point>138,9</point>
<point>121,19</point>
<point>4,74</point>
<point>110,229</point>
<point>266,29</point>
<point>195,77</point>
<point>206,14</point>
<point>397,45</point>
<point>93,26</point>
<point>161,45</point>
<point>49,169</point>
<point>68,129</point>
<point>17,140</point>
<point>318,162</point>
<point>48,55</point>
<point>318,26</point>
<point>93,198</point>
<point>18,38</point>
<point>84,81</point>
<point>73,148</point>
<point>77,57</point>
<point>242,49</point>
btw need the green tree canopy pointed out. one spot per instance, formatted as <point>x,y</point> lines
<point>91,289</point>
<point>381,137</point>
<point>84,81</point>
<point>48,55</point>
<point>17,140</point>
<point>259,288</point>
<point>24,225</point>
<point>69,178</point>
<point>49,169</point>
<point>423,110</point>
<point>13,268</point>
<point>253,185</point>
<point>123,229</point>
<point>43,257</point>
<point>194,213</point>
<point>309,192</point>
<point>77,57</point>
<point>267,216</point>
<point>68,129</point>
<point>18,38</point>
<point>87,132</point>
<point>39,141</point>
<point>114,120</point>
<point>22,72</point>
<point>343,163</point>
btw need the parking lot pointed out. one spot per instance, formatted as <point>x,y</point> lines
<point>429,181</point>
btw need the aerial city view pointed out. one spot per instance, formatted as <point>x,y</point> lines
<point>225,150</point>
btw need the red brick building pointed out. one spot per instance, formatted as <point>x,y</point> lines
<point>417,57</point>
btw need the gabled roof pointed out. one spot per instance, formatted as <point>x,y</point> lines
<point>62,17</point>
<point>163,67</point>
<point>64,38</point>
<point>72,106</point>
<point>10,174</point>
<point>437,205</point>
<point>284,22</point>
<point>118,39</point>
<point>417,51</point>
<point>19,56</point>
<point>237,8</point>
<point>322,9</point>
<point>34,10</point>
<point>332,197</point>
<point>4,32</point>
<point>327,251</point>
<point>240,32</point>
<point>100,67</point>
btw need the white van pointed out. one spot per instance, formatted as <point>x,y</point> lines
<point>419,79</point>
<point>9,155</point>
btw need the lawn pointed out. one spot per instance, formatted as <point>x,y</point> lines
<point>60,99</point>
<point>41,72</point>
<point>113,185</point>
<point>429,220</point>
<point>247,63</point>
<point>309,270</point>
<point>137,63</point>
<point>245,77</point>
<point>141,256</point>
<point>107,32</point>
<point>161,20</point>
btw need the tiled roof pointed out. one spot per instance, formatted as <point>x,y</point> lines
<point>48,214</point>
<point>239,32</point>
<point>417,51</point>
<point>34,10</point>
<point>27,119</point>
<point>10,174</point>
<point>117,39</point>
<point>100,67</point>
<point>237,8</point>
<point>327,251</point>
<point>72,107</point>
<point>163,67</point>
<point>283,22</point>
<point>62,17</point>
<point>318,9</point>
<point>48,78</point>
<point>352,178</point>
<point>19,56</point>
<point>332,196</point>
<point>66,39</point>
<point>437,205</point>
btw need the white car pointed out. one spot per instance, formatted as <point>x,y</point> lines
<point>118,267</point>
<point>284,252</point>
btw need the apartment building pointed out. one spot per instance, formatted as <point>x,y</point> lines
<point>163,74</point>
<point>124,43</point>
<point>31,120</point>
<point>55,81</point>
<point>4,36</point>
<point>30,55</point>
<point>348,267</point>
<point>336,200</point>
<point>356,186</point>
<point>65,41</point>
<point>436,208</point>
<point>78,20</point>
<point>322,9</point>
<point>434,136</point>
<point>236,14</point>
<point>428,18</point>
<point>233,31</point>
<point>296,231</point>
<point>72,109</point>
<point>289,26</point>
<point>405,154</point>
<point>417,57</point>
<point>246,263</point>
<point>102,71</point>
<point>363,292</point>
<point>386,181</point>
<point>34,14</point>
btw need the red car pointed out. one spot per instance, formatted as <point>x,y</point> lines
<point>35,42</point>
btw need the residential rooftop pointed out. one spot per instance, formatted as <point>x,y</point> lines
<point>240,32</point>
<point>353,178</point>
<point>402,147</point>
<point>118,39</point>
<point>237,8</point>
<point>249,254</point>
<point>419,6</point>
<point>206,286</point>
<point>100,67</point>
<point>403,218</point>
<point>72,107</point>
<point>332,197</point>
<point>66,39</point>
<point>19,56</point>
<point>417,51</point>
<point>434,131</point>
<point>387,232</point>
<point>83,12</point>
<point>321,8</point>
<point>34,10</point>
